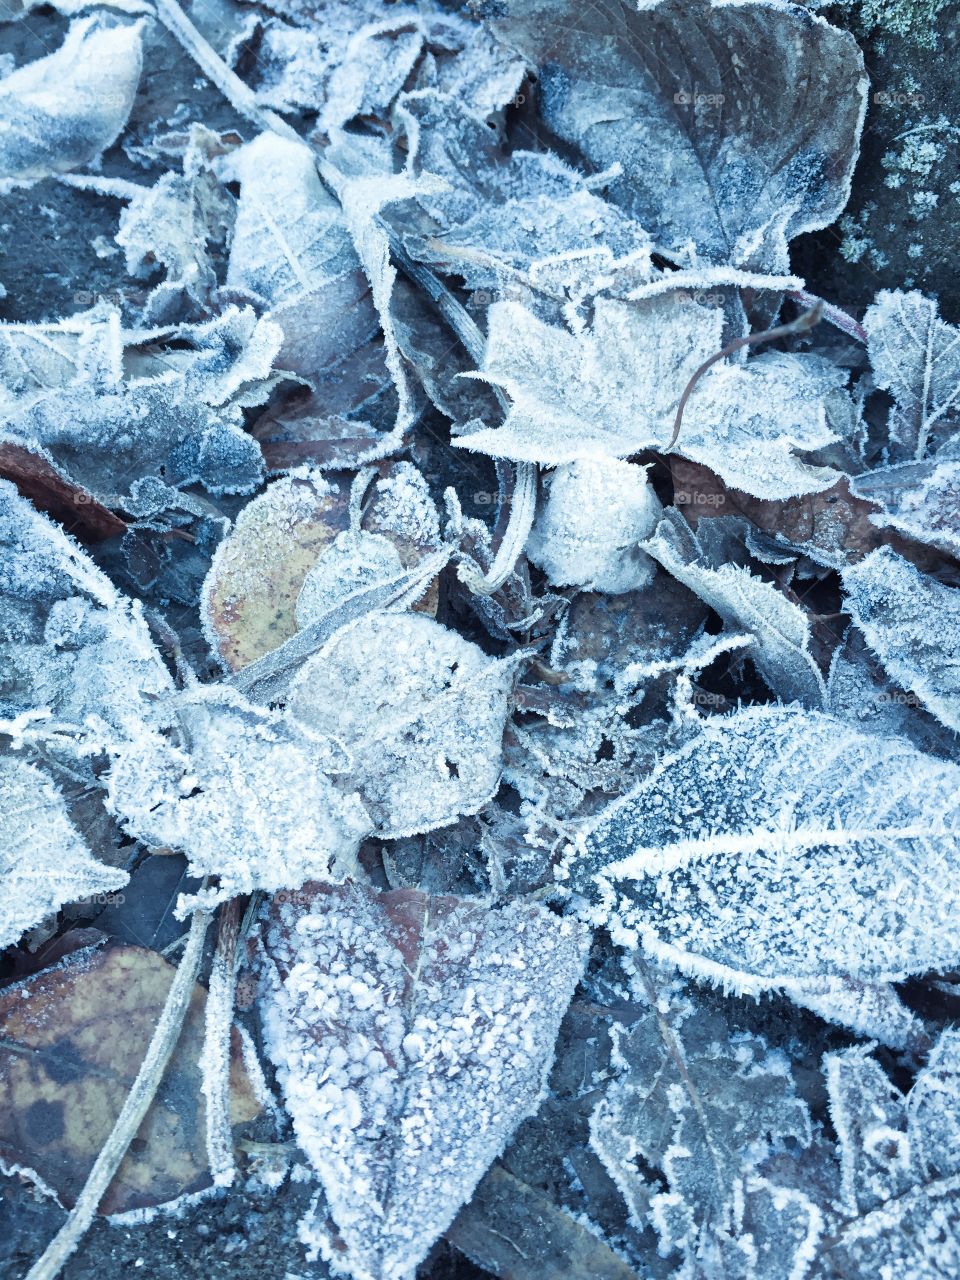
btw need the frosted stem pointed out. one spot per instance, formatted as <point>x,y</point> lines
<point>136,1106</point>
<point>215,1060</point>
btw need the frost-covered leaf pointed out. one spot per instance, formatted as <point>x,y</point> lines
<point>780,844</point>
<point>291,250</point>
<point>243,791</point>
<point>38,478</point>
<point>64,110</point>
<point>410,1035</point>
<point>705,1106</point>
<point>110,410</point>
<point>421,712</point>
<point>613,391</point>
<point>70,643</point>
<point>72,1040</point>
<point>251,590</point>
<point>175,223</point>
<point>912,624</point>
<point>736,124</point>
<point>780,629</point>
<point>916,357</point>
<point>593,516</point>
<point>918,499</point>
<point>860,691</point>
<point>44,862</point>
<point>900,1161</point>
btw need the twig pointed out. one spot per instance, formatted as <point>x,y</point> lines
<point>832,314</point>
<point>215,1059</point>
<point>138,1100</point>
<point>802,324</point>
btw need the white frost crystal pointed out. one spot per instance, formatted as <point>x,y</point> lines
<point>586,534</point>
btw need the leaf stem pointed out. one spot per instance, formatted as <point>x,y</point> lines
<point>802,324</point>
<point>138,1100</point>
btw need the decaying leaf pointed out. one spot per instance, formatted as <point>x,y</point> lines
<point>774,845</point>
<point>38,479</point>
<point>918,499</point>
<point>780,629</point>
<point>64,110</point>
<point>411,1035</point>
<point>707,1106</point>
<point>911,623</point>
<point>72,1039</point>
<point>251,590</point>
<point>420,711</point>
<point>900,1207</point>
<point>44,861</point>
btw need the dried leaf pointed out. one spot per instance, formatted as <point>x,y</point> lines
<point>916,357</point>
<point>613,391</point>
<point>714,149</point>
<point>780,629</point>
<point>38,479</point>
<point>72,1039</point>
<point>411,1035</point>
<point>918,499</point>
<point>912,624</point>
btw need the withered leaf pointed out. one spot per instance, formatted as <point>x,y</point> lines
<point>71,1042</point>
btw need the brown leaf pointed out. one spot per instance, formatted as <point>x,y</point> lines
<point>514,1231</point>
<point>51,491</point>
<point>71,1042</point>
<point>835,523</point>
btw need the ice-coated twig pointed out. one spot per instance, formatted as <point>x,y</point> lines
<point>137,1104</point>
<point>520,502</point>
<point>215,1060</point>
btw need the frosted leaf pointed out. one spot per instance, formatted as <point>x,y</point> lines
<point>613,391</point>
<point>243,791</point>
<point>70,643</point>
<point>64,110</point>
<point>353,561</point>
<point>250,591</point>
<point>900,1212</point>
<point>110,413</point>
<point>594,515</point>
<point>421,712</point>
<point>714,149</point>
<point>292,250</point>
<point>916,357</point>
<point>859,691</point>
<point>912,623</point>
<point>701,1103</point>
<point>780,844</point>
<point>174,223</point>
<point>872,1009</point>
<point>44,861</point>
<point>920,499</point>
<point>780,629</point>
<point>410,1035</point>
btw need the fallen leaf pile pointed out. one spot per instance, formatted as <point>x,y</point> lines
<point>464,562</point>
